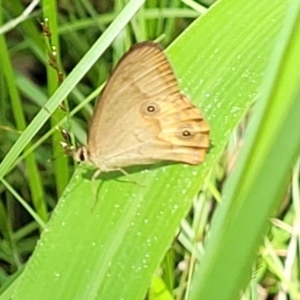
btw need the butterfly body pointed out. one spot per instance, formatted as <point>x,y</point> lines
<point>142,118</point>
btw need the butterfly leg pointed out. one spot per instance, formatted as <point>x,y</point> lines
<point>126,174</point>
<point>96,174</point>
<point>122,171</point>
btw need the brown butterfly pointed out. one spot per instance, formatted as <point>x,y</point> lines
<point>142,118</point>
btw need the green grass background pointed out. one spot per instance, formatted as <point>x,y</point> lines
<point>238,53</point>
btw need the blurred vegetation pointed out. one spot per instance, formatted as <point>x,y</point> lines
<point>37,54</point>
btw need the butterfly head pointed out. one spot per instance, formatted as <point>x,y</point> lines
<point>81,154</point>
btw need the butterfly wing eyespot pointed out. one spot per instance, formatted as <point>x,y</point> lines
<point>150,109</point>
<point>185,131</point>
